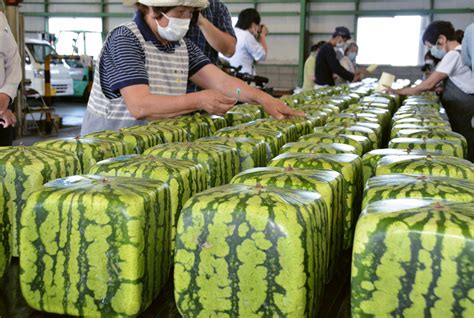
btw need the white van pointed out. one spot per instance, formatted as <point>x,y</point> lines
<point>61,81</point>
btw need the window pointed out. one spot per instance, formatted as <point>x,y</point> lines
<point>40,51</point>
<point>77,35</point>
<point>390,40</point>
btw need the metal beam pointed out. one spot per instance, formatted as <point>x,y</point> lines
<point>392,12</point>
<point>302,41</point>
<point>104,20</point>
<point>270,14</point>
<point>80,14</point>
<point>356,17</point>
<point>46,22</point>
<point>432,6</point>
<point>130,14</point>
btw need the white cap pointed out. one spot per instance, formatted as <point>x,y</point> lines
<point>201,4</point>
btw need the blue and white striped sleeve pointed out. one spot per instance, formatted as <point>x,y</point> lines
<point>197,59</point>
<point>122,63</point>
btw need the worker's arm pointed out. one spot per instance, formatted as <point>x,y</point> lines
<point>144,105</point>
<point>262,39</point>
<point>424,86</point>
<point>211,77</point>
<point>11,65</point>
<point>219,40</point>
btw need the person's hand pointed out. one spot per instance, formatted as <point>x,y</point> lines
<point>438,89</point>
<point>401,91</point>
<point>279,110</point>
<point>7,119</point>
<point>201,19</point>
<point>214,102</point>
<point>356,77</point>
<point>263,30</point>
<point>363,71</point>
<point>4,102</point>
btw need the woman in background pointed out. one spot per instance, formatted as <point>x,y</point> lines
<point>310,66</point>
<point>348,61</point>
<point>458,92</point>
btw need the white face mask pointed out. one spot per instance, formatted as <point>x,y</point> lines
<point>437,52</point>
<point>176,29</point>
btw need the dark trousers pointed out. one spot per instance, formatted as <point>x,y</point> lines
<point>6,135</point>
<point>460,109</point>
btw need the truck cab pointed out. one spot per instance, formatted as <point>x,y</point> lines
<point>35,54</point>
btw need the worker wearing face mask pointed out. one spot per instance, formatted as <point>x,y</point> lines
<point>348,61</point>
<point>327,64</point>
<point>458,91</point>
<point>251,41</point>
<point>143,70</point>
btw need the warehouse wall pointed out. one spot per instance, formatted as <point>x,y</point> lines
<point>282,19</point>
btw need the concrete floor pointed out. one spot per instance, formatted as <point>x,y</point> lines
<point>72,114</point>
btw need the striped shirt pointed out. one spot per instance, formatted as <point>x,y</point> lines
<point>122,62</point>
<point>218,14</point>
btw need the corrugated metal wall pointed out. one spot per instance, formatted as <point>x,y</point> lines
<point>282,18</point>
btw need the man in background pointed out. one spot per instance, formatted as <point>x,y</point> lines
<point>327,63</point>
<point>213,33</point>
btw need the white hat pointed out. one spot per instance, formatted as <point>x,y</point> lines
<point>201,4</point>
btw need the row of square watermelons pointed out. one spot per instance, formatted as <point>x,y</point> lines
<point>128,214</point>
<point>267,244</point>
<point>253,248</point>
<point>413,246</point>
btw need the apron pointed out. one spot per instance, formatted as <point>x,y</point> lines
<point>167,75</point>
<point>459,107</point>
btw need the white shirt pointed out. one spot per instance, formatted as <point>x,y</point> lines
<point>247,50</point>
<point>10,63</point>
<point>458,72</point>
<point>348,64</point>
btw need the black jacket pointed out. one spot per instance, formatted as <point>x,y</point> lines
<point>327,65</point>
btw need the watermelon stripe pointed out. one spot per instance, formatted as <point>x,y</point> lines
<point>165,133</point>
<point>328,183</point>
<point>400,186</point>
<point>435,236</point>
<point>350,166</point>
<point>221,162</point>
<point>23,169</point>
<point>427,165</point>
<point>247,246</point>
<point>136,141</point>
<point>64,271</point>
